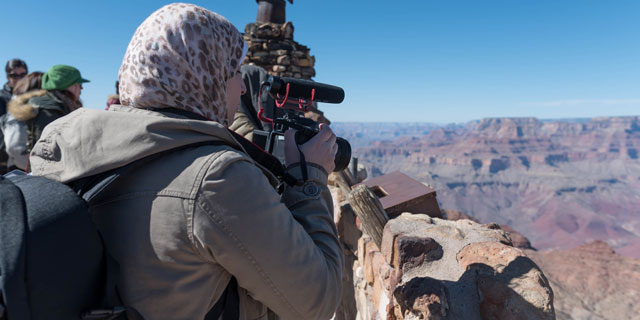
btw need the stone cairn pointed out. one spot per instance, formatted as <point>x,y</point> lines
<point>272,47</point>
<point>271,44</point>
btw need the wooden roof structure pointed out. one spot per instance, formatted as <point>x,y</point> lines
<point>400,193</point>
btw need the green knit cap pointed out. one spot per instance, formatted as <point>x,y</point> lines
<point>61,77</point>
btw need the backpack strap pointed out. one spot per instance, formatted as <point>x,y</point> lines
<point>265,159</point>
<point>90,187</point>
<point>52,264</point>
<point>13,217</point>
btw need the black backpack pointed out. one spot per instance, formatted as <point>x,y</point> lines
<point>52,261</point>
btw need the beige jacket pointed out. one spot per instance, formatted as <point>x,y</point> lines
<point>183,224</point>
<point>243,125</point>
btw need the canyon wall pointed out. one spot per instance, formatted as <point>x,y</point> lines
<point>560,183</point>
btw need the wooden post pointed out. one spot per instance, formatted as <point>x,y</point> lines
<point>368,208</point>
<point>353,168</point>
<point>343,181</point>
<point>348,177</point>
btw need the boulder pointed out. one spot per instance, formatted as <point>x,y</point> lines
<point>430,268</point>
<point>510,285</point>
<point>518,239</point>
<point>421,298</point>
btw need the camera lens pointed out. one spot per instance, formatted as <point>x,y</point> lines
<point>343,156</point>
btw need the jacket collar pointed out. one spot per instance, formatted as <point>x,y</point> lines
<point>118,137</point>
<point>6,89</point>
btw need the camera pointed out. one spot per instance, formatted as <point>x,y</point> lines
<point>292,98</point>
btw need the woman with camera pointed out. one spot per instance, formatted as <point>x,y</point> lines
<point>195,213</point>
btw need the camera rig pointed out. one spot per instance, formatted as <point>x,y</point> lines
<point>294,97</point>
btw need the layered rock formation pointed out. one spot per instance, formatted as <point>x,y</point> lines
<point>592,282</point>
<point>364,134</point>
<point>560,183</point>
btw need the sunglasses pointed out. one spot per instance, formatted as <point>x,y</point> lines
<point>17,75</point>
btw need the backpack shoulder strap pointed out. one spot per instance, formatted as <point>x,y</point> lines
<point>265,159</point>
<point>91,187</point>
<point>13,224</point>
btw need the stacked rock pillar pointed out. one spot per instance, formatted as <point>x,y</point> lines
<point>271,44</point>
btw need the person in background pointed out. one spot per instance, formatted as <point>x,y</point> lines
<point>15,131</point>
<point>16,69</point>
<point>114,98</point>
<point>62,86</point>
<point>246,119</point>
<point>194,212</point>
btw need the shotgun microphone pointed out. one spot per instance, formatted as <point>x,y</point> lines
<point>301,89</point>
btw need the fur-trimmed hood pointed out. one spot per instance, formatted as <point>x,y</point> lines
<point>20,108</point>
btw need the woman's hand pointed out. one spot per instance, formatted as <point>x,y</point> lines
<point>320,150</point>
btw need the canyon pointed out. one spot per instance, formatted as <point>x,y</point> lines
<point>560,183</point>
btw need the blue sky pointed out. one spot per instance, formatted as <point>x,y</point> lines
<point>401,61</point>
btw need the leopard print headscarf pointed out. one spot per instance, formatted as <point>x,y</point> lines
<point>181,57</point>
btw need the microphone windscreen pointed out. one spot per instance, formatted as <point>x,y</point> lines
<point>301,89</point>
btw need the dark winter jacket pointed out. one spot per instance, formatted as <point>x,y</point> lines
<point>246,118</point>
<point>5,96</point>
<point>41,108</point>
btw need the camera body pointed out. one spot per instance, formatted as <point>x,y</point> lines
<point>293,97</point>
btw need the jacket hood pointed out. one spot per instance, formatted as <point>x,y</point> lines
<point>88,142</point>
<point>20,108</point>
